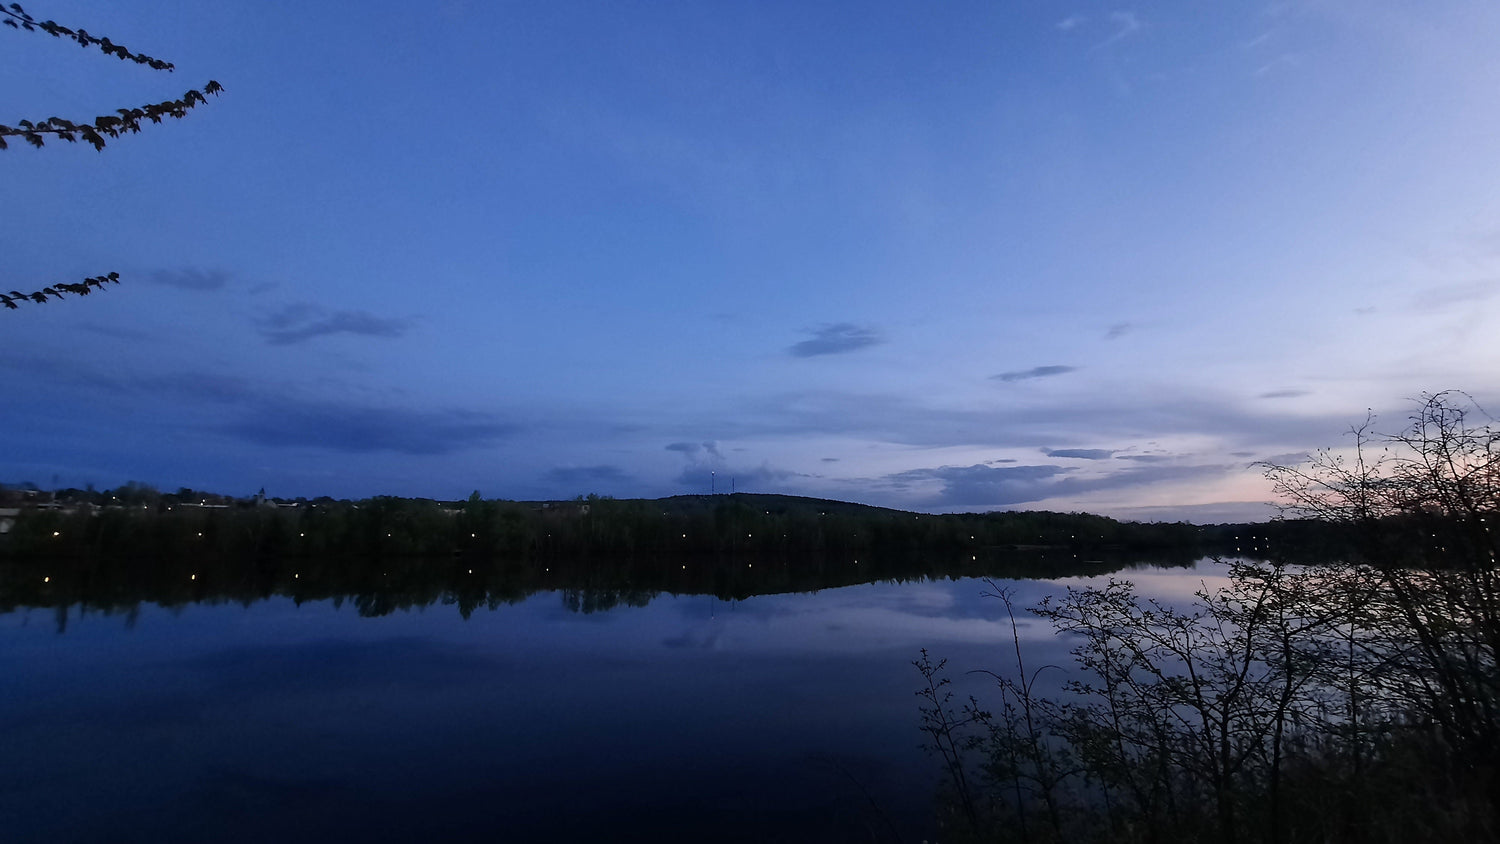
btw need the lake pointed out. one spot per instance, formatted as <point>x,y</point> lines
<point>567,715</point>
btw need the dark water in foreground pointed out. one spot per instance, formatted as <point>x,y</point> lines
<point>775,718</point>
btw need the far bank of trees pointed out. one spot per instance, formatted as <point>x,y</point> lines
<point>137,522</point>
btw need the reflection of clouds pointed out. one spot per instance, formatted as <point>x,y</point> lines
<point>853,619</point>
<point>1174,586</point>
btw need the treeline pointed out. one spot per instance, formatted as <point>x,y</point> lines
<point>133,524</point>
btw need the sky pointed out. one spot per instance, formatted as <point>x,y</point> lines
<point>951,256</point>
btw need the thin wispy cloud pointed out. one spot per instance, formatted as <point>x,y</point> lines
<point>835,339</point>
<point>1071,22</point>
<point>1125,23</point>
<point>1034,372</point>
<point>1282,61</point>
<point>1283,394</point>
<point>300,323</point>
<point>1118,330</point>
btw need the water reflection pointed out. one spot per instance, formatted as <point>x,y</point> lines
<point>384,586</point>
<point>259,705</point>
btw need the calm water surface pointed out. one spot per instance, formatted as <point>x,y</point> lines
<point>775,718</point>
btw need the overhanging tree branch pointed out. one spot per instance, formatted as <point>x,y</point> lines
<point>82,288</point>
<point>15,17</point>
<point>108,125</point>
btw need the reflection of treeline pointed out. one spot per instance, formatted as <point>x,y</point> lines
<point>166,527</point>
<point>378,586</point>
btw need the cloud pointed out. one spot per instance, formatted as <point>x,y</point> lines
<point>987,486</point>
<point>117,332</point>
<point>999,423</point>
<point>830,460</point>
<point>359,429</point>
<point>762,478</point>
<point>1118,330</point>
<point>1454,295</point>
<point>1079,453</point>
<point>587,475</point>
<point>191,279</point>
<point>979,484</point>
<point>708,448</point>
<point>1034,372</point>
<point>1125,23</point>
<point>836,339</point>
<point>277,416</point>
<point>1283,394</point>
<point>1289,458</point>
<point>1071,22</point>
<point>301,322</point>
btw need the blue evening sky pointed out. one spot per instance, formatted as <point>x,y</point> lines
<point>939,256</point>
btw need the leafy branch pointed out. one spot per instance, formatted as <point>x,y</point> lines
<point>82,288</point>
<point>16,18</point>
<point>109,125</point>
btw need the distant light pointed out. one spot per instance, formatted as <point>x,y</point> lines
<point>684,568</point>
<point>295,576</point>
<point>49,580</point>
<point>192,577</point>
<point>56,533</point>
<point>302,534</point>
